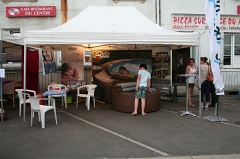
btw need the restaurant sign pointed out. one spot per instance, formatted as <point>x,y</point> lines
<point>4,1</point>
<point>19,0</point>
<point>198,22</point>
<point>33,11</point>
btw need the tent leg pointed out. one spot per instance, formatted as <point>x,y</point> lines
<point>1,84</point>
<point>24,82</point>
<point>199,82</point>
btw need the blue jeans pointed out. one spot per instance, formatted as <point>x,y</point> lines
<point>205,90</point>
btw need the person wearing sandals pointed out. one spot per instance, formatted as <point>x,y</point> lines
<point>205,86</point>
<point>142,86</point>
<point>191,69</point>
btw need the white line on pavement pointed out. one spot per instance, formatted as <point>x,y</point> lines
<point>116,134</point>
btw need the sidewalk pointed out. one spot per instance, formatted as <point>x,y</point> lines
<point>104,133</point>
<point>201,157</point>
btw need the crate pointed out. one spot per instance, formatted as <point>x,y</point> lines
<point>69,99</point>
<point>40,95</point>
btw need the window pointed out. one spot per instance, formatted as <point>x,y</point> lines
<point>231,54</point>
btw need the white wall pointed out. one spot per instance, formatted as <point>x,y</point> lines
<point>168,7</point>
<point>74,7</point>
<point>179,6</point>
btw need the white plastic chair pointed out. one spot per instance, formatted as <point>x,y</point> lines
<point>64,97</point>
<point>21,100</point>
<point>42,109</point>
<point>90,89</point>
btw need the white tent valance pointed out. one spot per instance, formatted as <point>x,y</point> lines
<point>10,40</point>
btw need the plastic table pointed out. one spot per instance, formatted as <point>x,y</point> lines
<point>186,112</point>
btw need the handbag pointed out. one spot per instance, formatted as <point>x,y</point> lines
<point>210,75</point>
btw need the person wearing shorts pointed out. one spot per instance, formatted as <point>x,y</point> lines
<point>142,87</point>
<point>191,69</point>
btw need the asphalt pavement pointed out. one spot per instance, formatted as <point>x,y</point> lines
<point>104,133</point>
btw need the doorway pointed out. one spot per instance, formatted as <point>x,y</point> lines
<point>180,60</point>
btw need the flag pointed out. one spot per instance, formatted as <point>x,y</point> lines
<point>212,13</point>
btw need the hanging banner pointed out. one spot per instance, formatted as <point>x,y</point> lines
<point>72,66</point>
<point>49,65</point>
<point>212,9</point>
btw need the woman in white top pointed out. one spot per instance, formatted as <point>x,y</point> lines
<point>191,69</point>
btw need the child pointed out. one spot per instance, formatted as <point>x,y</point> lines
<point>142,86</point>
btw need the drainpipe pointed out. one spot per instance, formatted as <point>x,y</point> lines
<point>64,11</point>
<point>156,12</point>
<point>159,12</point>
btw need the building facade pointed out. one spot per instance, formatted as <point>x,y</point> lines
<point>177,15</point>
<point>189,16</point>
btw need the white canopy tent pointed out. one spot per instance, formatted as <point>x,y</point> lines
<point>120,27</point>
<point>110,25</point>
<point>9,40</point>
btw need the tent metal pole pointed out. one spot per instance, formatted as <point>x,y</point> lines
<point>199,81</point>
<point>1,88</point>
<point>24,82</point>
<point>171,69</point>
<point>1,100</point>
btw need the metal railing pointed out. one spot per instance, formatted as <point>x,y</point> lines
<point>14,76</point>
<point>45,80</point>
<point>231,80</point>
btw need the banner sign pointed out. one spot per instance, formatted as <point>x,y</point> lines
<point>33,11</point>
<point>72,66</point>
<point>212,8</point>
<point>49,65</point>
<point>198,22</point>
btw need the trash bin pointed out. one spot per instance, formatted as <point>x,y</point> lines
<point>40,95</point>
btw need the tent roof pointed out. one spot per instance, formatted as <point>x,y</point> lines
<point>10,40</point>
<point>110,25</point>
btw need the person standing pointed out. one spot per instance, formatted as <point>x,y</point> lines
<point>191,69</point>
<point>180,65</point>
<point>205,85</point>
<point>142,86</point>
